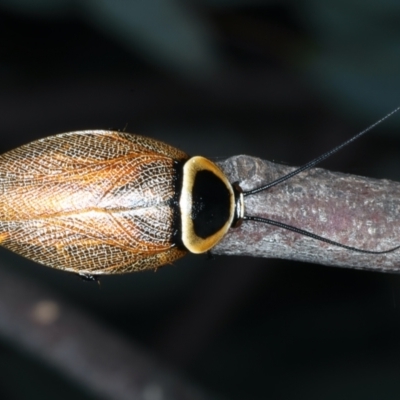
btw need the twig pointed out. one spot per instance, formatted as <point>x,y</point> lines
<point>352,210</point>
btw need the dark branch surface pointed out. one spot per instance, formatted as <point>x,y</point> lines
<point>352,210</point>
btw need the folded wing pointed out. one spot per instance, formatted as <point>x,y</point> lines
<point>94,202</point>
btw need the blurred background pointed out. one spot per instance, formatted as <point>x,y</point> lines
<point>281,80</point>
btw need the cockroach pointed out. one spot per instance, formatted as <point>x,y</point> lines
<point>107,202</point>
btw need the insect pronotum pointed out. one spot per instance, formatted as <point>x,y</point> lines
<point>106,202</point>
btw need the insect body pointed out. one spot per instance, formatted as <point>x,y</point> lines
<point>105,202</point>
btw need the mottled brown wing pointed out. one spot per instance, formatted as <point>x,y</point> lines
<point>93,202</point>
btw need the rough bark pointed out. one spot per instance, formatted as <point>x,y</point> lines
<point>352,210</point>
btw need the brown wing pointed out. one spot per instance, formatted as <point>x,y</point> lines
<point>94,202</point>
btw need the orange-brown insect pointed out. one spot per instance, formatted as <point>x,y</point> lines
<point>105,202</point>
<point>91,202</point>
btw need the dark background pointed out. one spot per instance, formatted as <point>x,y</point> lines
<point>282,80</point>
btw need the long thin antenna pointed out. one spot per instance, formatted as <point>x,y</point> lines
<point>317,160</point>
<point>314,236</point>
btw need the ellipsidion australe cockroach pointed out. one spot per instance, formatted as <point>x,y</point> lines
<point>106,202</point>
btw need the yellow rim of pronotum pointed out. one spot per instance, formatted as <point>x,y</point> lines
<point>191,241</point>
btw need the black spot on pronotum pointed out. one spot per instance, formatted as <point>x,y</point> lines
<point>211,204</point>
